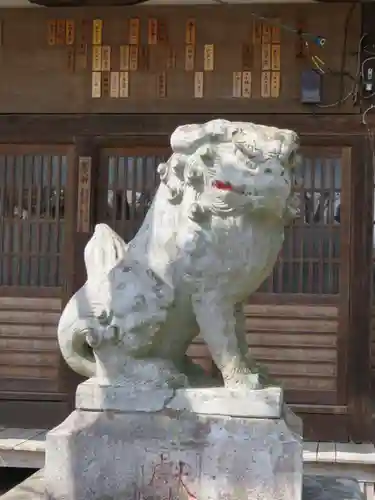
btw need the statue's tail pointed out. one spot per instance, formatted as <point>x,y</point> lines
<point>72,341</point>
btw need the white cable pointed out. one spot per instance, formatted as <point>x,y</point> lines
<point>358,71</point>
<point>364,114</point>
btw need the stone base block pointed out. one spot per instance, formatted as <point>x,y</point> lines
<point>174,453</point>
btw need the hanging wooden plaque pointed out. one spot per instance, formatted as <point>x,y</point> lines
<point>106,58</point>
<point>152,35</point>
<point>96,58</point>
<point>208,57</point>
<point>84,194</point>
<point>266,57</point>
<point>144,58</point>
<point>60,32</point>
<point>190,32</point>
<point>237,84</point>
<point>266,33</point>
<point>265,84</point>
<point>71,59</point>
<point>198,84</point>
<point>247,57</point>
<point>246,84</point>
<point>275,32</point>
<point>106,82</point>
<point>114,84</point>
<point>51,31</point>
<point>133,58</point>
<point>70,32</point>
<point>162,32</point>
<point>189,57</point>
<point>97,28</point>
<point>257,32</point>
<point>124,84</point>
<point>96,85</point>
<point>124,57</point>
<point>161,85</point>
<point>275,57</point>
<point>81,56</point>
<point>171,59</point>
<point>275,84</point>
<point>134,31</point>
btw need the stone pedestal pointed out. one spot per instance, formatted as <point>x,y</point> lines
<point>193,444</point>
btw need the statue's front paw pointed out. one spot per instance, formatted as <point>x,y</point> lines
<point>247,380</point>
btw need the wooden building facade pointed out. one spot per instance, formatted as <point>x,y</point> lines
<point>88,99</point>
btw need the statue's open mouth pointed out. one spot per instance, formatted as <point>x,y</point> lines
<point>226,186</point>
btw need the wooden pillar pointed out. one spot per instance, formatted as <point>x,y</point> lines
<point>360,293</point>
<point>79,214</point>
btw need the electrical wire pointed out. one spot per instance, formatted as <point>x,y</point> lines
<point>317,39</point>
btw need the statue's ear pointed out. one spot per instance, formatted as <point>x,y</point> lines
<point>186,139</point>
<point>103,252</point>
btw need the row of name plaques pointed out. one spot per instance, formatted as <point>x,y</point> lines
<point>117,84</point>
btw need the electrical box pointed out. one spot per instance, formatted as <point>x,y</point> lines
<point>311,87</point>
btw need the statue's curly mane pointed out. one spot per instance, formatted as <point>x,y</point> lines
<point>194,161</point>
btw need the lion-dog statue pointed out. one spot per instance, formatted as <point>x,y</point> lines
<point>209,240</point>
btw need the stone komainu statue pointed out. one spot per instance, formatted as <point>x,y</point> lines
<point>210,238</point>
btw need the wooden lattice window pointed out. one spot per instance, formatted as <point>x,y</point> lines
<point>310,260</point>
<point>128,190</point>
<point>32,206</point>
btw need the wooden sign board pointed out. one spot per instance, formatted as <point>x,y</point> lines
<point>246,84</point>
<point>152,35</point>
<point>275,58</point>
<point>208,57</point>
<point>266,57</point>
<point>161,85</point>
<point>97,28</point>
<point>96,58</point>
<point>96,85</point>
<point>106,58</point>
<point>60,32</point>
<point>134,31</point>
<point>190,32</point>
<point>124,58</point>
<point>265,84</point>
<point>275,84</point>
<point>84,194</point>
<point>198,84</point>
<point>81,56</point>
<point>71,59</point>
<point>133,57</point>
<point>237,84</point>
<point>70,32</point>
<point>114,90</point>
<point>257,32</point>
<point>275,32</point>
<point>105,83</point>
<point>247,57</point>
<point>124,84</point>
<point>162,32</point>
<point>189,57</point>
<point>51,31</point>
<point>144,58</point>
<point>266,33</point>
<point>171,59</point>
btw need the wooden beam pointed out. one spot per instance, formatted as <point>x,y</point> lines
<point>360,293</point>
<point>153,128</point>
<point>75,242</point>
